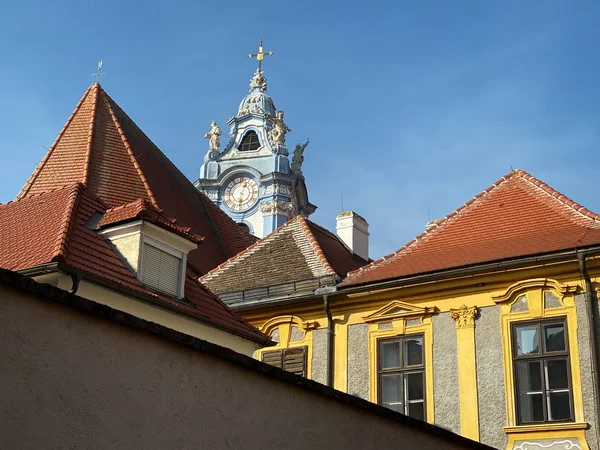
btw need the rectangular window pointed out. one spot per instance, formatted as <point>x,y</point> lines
<point>290,359</point>
<point>401,368</point>
<point>160,270</point>
<point>542,372</point>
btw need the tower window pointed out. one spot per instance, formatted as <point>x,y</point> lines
<point>244,227</point>
<point>250,142</point>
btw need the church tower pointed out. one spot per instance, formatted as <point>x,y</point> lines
<point>252,179</point>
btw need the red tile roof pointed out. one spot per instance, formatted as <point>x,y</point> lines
<point>103,148</point>
<point>51,227</point>
<point>517,216</point>
<point>143,209</point>
<point>298,250</point>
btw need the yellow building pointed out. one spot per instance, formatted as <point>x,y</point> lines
<point>483,324</point>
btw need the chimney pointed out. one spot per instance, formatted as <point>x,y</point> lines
<point>353,230</point>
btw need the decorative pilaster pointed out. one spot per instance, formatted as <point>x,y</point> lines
<point>464,316</point>
<point>275,213</point>
<point>467,370</point>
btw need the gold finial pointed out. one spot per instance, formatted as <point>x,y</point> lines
<point>98,73</point>
<point>260,55</point>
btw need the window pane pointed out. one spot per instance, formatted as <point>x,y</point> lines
<point>417,410</point>
<point>391,392</point>
<point>559,407</point>
<point>413,351</point>
<point>414,386</point>
<point>557,374</point>
<point>530,376</point>
<point>531,407</point>
<point>554,336</point>
<point>527,340</point>
<point>391,355</point>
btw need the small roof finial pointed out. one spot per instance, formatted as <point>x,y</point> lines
<point>260,55</point>
<point>99,72</point>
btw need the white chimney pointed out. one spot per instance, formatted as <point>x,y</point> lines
<point>354,231</point>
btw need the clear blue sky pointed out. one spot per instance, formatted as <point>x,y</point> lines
<point>407,104</point>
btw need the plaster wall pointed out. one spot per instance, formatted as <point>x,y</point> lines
<point>445,372</point>
<point>358,360</point>
<point>73,380</point>
<point>256,221</point>
<point>490,378</point>
<point>585,364</point>
<point>319,355</point>
<point>155,314</point>
<point>129,248</point>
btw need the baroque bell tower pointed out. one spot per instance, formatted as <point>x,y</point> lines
<point>252,178</point>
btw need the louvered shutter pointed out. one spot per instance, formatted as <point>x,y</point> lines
<point>160,270</point>
<point>273,358</point>
<point>291,359</point>
<point>294,360</point>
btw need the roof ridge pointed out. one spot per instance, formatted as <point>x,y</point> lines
<point>62,238</point>
<point>439,224</point>
<point>90,142</point>
<point>559,196</point>
<point>315,245</point>
<point>246,250</point>
<point>138,168</point>
<point>25,189</point>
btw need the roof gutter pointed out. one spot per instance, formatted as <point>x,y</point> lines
<point>468,271</point>
<point>60,267</point>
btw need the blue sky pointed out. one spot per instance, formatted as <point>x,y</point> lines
<point>409,106</point>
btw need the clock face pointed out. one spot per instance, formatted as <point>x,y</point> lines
<point>241,193</point>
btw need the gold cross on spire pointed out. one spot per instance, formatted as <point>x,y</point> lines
<point>260,55</point>
<point>98,73</point>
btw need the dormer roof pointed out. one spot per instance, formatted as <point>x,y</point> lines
<point>144,209</point>
<point>515,217</point>
<point>101,147</point>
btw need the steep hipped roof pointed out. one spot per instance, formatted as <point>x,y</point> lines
<point>103,148</point>
<point>54,227</point>
<point>517,216</point>
<point>297,250</point>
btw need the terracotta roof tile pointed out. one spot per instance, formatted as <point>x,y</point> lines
<point>517,216</point>
<point>51,227</point>
<point>102,147</point>
<point>143,209</point>
<point>298,250</point>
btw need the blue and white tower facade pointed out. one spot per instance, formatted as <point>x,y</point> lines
<point>252,179</point>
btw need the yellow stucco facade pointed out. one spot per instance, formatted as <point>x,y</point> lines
<point>507,297</point>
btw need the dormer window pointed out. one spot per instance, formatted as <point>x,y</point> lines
<point>249,142</point>
<point>161,267</point>
<point>155,255</point>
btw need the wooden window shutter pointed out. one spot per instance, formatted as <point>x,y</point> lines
<point>160,270</point>
<point>290,359</point>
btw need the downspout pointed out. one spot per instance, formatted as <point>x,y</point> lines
<point>592,320</point>
<point>326,291</point>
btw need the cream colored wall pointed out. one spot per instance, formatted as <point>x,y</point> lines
<point>153,313</point>
<point>129,248</point>
<point>70,378</point>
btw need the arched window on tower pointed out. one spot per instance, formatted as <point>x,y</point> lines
<point>250,142</point>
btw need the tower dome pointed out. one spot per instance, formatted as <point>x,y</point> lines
<point>257,101</point>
